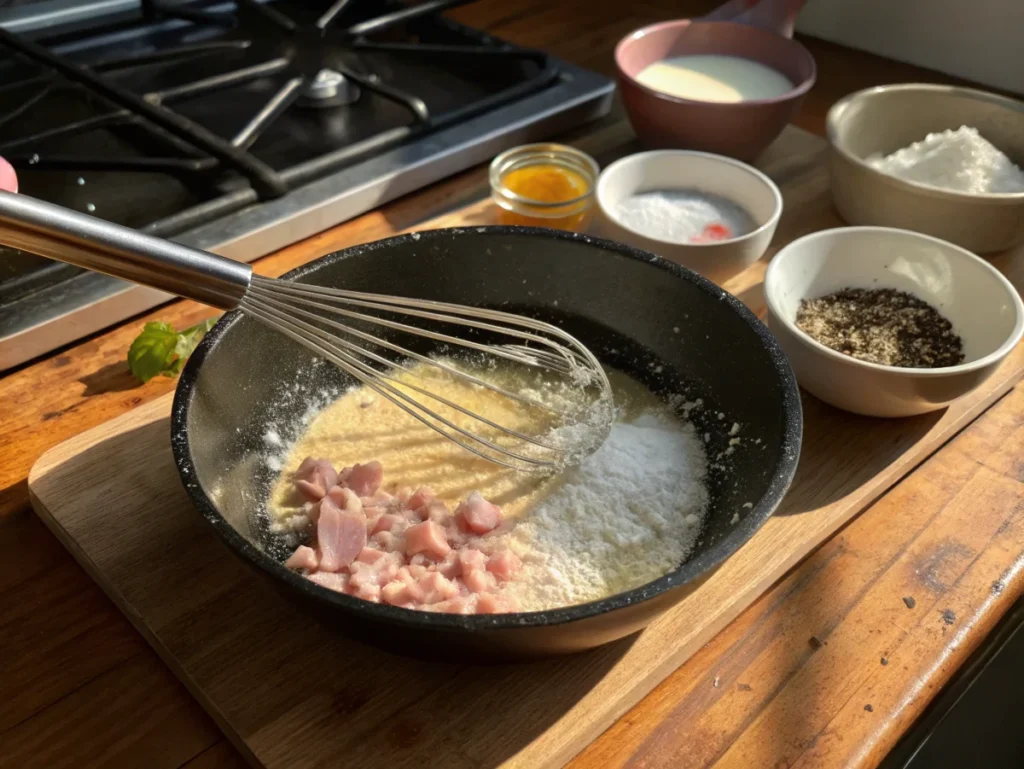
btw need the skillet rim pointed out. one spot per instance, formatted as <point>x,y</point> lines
<point>689,571</point>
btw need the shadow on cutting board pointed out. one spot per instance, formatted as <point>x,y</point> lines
<point>841,452</point>
<point>288,692</point>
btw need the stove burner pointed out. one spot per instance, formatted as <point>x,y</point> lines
<point>329,88</point>
<point>312,63</point>
<point>242,126</point>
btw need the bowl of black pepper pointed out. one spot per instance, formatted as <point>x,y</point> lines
<point>889,323</point>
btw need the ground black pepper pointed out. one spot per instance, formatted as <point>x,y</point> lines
<point>882,325</point>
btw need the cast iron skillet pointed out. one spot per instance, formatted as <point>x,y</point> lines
<point>660,322</point>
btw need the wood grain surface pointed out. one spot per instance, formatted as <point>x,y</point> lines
<point>278,697</point>
<point>67,654</point>
<point>831,665</point>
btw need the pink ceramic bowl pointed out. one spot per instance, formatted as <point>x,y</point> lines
<point>741,130</point>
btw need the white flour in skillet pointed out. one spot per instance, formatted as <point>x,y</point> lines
<point>629,514</point>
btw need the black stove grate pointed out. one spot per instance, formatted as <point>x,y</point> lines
<point>304,57</point>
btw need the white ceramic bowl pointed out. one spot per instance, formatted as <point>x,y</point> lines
<point>983,306</point>
<point>680,170</point>
<point>883,119</point>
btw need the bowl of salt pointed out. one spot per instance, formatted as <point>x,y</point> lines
<point>940,160</point>
<point>709,213</point>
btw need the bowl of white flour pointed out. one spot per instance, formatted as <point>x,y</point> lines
<point>940,160</point>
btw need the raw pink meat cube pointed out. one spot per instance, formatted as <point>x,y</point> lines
<point>504,564</point>
<point>422,497</point>
<point>364,480</point>
<point>489,603</point>
<point>314,477</point>
<point>471,559</point>
<point>303,558</point>
<point>478,515</point>
<point>436,588</point>
<point>338,582</point>
<point>426,537</point>
<point>346,499</point>
<point>340,536</point>
<point>479,581</point>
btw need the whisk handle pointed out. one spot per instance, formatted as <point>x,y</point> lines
<point>85,241</point>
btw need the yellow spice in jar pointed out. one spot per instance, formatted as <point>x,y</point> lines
<point>546,183</point>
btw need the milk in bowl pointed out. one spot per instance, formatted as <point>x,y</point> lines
<point>714,78</point>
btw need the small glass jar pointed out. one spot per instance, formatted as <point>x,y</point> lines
<point>544,185</point>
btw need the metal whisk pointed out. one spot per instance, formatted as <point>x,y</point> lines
<point>366,335</point>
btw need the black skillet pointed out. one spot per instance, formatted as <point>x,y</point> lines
<point>635,311</point>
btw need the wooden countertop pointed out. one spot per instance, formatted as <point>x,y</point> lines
<point>827,669</point>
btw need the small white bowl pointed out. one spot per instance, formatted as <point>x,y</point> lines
<point>671,170</point>
<point>983,306</point>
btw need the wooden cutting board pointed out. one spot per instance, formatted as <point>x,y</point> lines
<point>290,694</point>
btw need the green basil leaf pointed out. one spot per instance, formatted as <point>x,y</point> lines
<point>159,349</point>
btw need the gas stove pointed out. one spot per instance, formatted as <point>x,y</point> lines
<point>240,127</point>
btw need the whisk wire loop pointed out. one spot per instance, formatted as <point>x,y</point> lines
<point>310,316</point>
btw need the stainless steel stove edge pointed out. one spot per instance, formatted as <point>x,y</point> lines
<point>49,15</point>
<point>100,301</point>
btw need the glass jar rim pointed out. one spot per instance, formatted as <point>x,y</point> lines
<point>532,154</point>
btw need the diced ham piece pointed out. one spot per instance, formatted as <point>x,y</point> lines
<point>418,571</point>
<point>478,515</point>
<point>303,558</point>
<point>387,569</point>
<point>396,594</point>
<point>369,592</point>
<point>405,550</point>
<point>380,572</point>
<point>450,567</point>
<point>370,555</point>
<point>404,575</point>
<point>427,537</point>
<point>489,603</point>
<point>504,564</point>
<point>420,498</point>
<point>389,522</point>
<point>403,590</point>
<point>458,605</point>
<point>479,581</point>
<point>346,499</point>
<point>340,536</point>
<point>437,588</point>
<point>329,580</point>
<point>471,560</point>
<point>314,477</point>
<point>364,480</point>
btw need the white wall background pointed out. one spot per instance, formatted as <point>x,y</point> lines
<point>980,40</point>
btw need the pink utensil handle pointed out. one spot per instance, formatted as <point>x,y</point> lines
<point>777,16</point>
<point>8,178</point>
